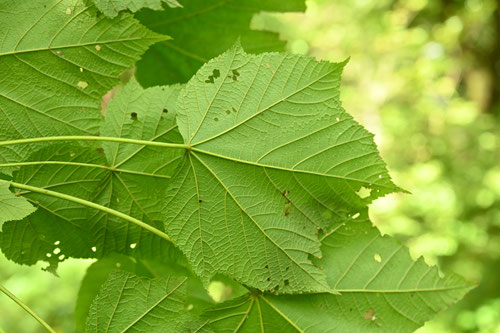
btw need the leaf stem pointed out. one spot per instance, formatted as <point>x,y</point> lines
<point>27,309</point>
<point>90,205</point>
<point>99,166</point>
<point>95,138</point>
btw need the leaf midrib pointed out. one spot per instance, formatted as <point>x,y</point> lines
<point>268,166</point>
<point>258,226</point>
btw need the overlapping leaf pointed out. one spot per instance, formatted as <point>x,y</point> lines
<point>111,8</point>
<point>202,30</point>
<point>382,290</point>
<point>57,59</point>
<point>273,158</point>
<point>127,178</point>
<point>11,206</point>
<point>133,304</point>
<point>197,298</point>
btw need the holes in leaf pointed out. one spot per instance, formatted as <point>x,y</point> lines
<point>200,201</point>
<point>98,47</point>
<point>94,249</point>
<point>287,282</point>
<point>211,78</point>
<point>267,266</point>
<point>48,255</point>
<point>377,257</point>
<point>364,192</point>
<point>68,11</point>
<point>216,119</point>
<point>82,84</point>
<point>236,75</point>
<point>57,250</point>
<point>287,268</point>
<point>355,216</point>
<point>61,257</point>
<point>228,112</point>
<point>57,243</point>
<point>133,115</point>
<point>133,245</point>
<point>234,110</point>
<point>268,279</point>
<point>165,111</point>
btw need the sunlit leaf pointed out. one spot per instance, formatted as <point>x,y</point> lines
<point>382,290</point>
<point>273,158</point>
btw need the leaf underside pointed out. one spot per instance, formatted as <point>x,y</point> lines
<point>390,294</point>
<point>128,171</point>
<point>273,158</point>
<point>158,306</point>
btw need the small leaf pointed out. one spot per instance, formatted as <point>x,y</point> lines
<point>12,207</point>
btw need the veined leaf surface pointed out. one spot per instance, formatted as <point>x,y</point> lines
<point>273,158</point>
<point>382,290</point>
<point>124,177</point>
<point>134,304</point>
<point>57,59</point>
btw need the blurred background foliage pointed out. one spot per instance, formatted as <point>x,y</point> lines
<point>424,76</point>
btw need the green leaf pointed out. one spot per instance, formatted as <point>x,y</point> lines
<point>12,207</point>
<point>58,229</point>
<point>58,58</point>
<point>382,290</point>
<point>111,8</point>
<point>99,272</point>
<point>115,176</point>
<point>134,304</point>
<point>273,158</point>
<point>202,30</point>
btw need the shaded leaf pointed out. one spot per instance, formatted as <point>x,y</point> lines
<point>396,294</point>
<point>273,158</point>
<point>202,30</point>
<point>134,304</point>
<point>196,297</point>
